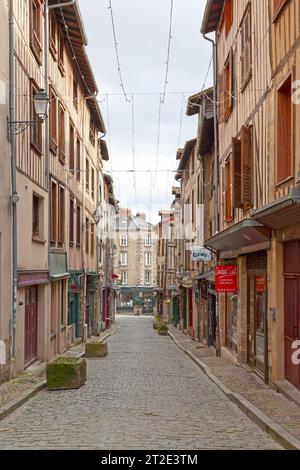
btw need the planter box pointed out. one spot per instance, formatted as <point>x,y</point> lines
<point>96,349</point>
<point>66,373</point>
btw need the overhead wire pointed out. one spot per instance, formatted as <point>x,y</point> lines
<point>117,52</point>
<point>168,53</point>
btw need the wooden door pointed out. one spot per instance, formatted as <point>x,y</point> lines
<point>31,324</point>
<point>291,309</point>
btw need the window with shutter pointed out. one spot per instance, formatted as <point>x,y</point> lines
<point>246,49</point>
<point>247,168</point>
<point>278,6</point>
<point>284,131</point>
<point>35,29</point>
<point>228,192</point>
<point>236,173</point>
<point>228,15</point>
<point>71,222</point>
<point>228,83</point>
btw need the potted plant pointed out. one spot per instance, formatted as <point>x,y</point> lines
<point>162,329</point>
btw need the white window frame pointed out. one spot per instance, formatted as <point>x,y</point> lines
<point>147,275</point>
<point>123,240</point>
<point>148,260</point>
<point>148,240</point>
<point>123,258</point>
<point>124,278</point>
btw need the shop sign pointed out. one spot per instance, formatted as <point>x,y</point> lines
<point>260,284</point>
<point>226,279</point>
<point>200,254</point>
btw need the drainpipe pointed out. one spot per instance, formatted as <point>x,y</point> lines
<point>216,179</point>
<point>14,196</point>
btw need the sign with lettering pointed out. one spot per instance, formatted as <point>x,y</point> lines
<point>226,279</point>
<point>260,284</point>
<point>200,254</point>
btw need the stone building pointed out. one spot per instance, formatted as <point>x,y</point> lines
<point>135,261</point>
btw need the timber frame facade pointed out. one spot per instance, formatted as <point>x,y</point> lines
<point>59,184</point>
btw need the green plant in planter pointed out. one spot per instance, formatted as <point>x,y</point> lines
<point>66,373</point>
<point>156,322</point>
<point>162,329</point>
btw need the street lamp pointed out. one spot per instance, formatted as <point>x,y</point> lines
<point>41,108</point>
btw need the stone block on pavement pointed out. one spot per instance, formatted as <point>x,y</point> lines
<point>66,373</point>
<point>96,349</point>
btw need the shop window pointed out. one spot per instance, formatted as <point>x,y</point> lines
<point>246,49</point>
<point>35,29</point>
<point>231,321</point>
<point>284,131</point>
<point>36,130</point>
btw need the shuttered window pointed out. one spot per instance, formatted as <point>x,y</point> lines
<point>228,84</point>
<point>78,158</point>
<point>35,29</point>
<point>53,30</point>
<point>71,222</point>
<point>228,192</point>
<point>247,168</point>
<point>61,217</point>
<point>236,167</point>
<point>278,7</point>
<point>246,49</point>
<point>284,132</point>
<point>78,225</point>
<point>221,101</point>
<point>228,15</point>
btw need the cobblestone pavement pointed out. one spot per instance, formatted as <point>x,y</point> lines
<point>275,405</point>
<point>146,395</point>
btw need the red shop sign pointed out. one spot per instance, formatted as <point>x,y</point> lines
<point>260,284</point>
<point>226,279</point>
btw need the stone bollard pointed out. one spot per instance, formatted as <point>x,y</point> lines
<point>66,373</point>
<point>96,349</point>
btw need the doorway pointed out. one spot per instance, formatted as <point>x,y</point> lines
<point>291,309</point>
<point>257,326</point>
<point>31,326</point>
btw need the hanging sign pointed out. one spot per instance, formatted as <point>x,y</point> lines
<point>226,279</point>
<point>200,254</point>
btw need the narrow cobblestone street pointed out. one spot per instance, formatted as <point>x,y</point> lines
<point>146,395</point>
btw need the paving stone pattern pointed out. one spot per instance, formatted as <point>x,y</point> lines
<point>147,394</point>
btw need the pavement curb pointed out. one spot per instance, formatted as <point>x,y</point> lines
<point>12,405</point>
<point>277,432</point>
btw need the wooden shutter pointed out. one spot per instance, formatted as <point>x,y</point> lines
<point>228,192</point>
<point>228,16</point>
<point>278,6</point>
<point>284,132</point>
<point>221,101</point>
<point>246,48</point>
<point>247,168</point>
<point>228,84</point>
<point>236,173</point>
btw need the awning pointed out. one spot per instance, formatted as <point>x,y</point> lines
<point>58,277</point>
<point>210,275</point>
<point>245,234</point>
<point>280,213</point>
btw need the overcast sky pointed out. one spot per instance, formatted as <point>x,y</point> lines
<point>142,29</point>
